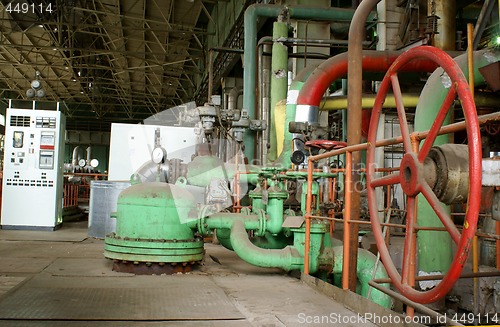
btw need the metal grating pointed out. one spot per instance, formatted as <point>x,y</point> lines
<point>193,299</point>
<point>20,121</point>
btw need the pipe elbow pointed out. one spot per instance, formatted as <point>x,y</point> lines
<point>287,258</point>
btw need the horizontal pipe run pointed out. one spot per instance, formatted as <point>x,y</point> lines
<point>409,100</point>
<point>451,128</point>
<point>481,274</point>
<point>226,220</point>
<point>419,307</point>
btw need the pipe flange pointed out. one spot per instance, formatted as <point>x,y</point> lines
<point>246,211</point>
<point>202,225</point>
<point>262,223</point>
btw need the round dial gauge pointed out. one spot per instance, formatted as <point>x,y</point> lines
<point>159,154</point>
<point>82,162</point>
<point>94,163</point>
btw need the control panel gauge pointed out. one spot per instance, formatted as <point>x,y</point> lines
<point>82,162</point>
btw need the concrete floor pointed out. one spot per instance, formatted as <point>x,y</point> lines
<point>62,279</point>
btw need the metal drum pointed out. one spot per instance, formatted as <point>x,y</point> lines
<point>103,200</point>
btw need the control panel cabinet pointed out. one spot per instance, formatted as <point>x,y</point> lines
<point>33,169</point>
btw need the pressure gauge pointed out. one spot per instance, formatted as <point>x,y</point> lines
<point>82,163</point>
<point>159,155</point>
<point>94,163</point>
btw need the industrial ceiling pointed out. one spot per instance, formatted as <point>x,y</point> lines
<point>104,60</point>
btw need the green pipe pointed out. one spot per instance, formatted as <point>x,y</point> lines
<point>269,241</point>
<point>434,247</point>
<point>275,210</point>
<point>223,237</point>
<point>366,263</point>
<point>252,13</point>
<point>317,236</point>
<point>279,79</point>
<point>287,258</point>
<point>223,220</point>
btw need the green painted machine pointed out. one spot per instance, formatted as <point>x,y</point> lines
<point>160,229</point>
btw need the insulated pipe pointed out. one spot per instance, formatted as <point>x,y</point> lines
<point>291,106</point>
<point>365,267</point>
<point>279,79</point>
<point>77,155</point>
<point>89,154</point>
<point>434,248</point>
<point>232,100</point>
<point>446,11</point>
<point>249,60</point>
<point>287,258</point>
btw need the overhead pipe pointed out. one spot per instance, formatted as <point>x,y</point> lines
<point>252,13</point>
<point>434,248</point>
<point>336,67</point>
<point>484,99</point>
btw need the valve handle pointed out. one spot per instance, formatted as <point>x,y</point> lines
<point>411,175</point>
<point>326,144</point>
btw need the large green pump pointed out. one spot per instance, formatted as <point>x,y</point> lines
<point>151,229</point>
<point>159,230</point>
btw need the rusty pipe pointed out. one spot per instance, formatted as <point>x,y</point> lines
<point>354,94</point>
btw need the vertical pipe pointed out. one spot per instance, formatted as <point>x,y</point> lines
<point>354,95</point>
<point>475,248</point>
<point>279,78</point>
<point>210,74</point>
<point>307,241</point>
<point>346,264</point>
<point>446,10</point>
<point>250,29</point>
<point>498,246</point>
<point>266,86</point>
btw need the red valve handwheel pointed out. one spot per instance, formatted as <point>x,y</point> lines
<point>411,174</point>
<point>326,144</point>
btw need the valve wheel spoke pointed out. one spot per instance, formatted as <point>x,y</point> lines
<point>386,180</point>
<point>405,131</point>
<point>441,116</point>
<point>409,239</point>
<point>439,210</point>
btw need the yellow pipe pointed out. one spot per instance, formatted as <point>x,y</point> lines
<point>409,101</point>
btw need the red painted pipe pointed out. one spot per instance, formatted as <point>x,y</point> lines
<point>336,67</point>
